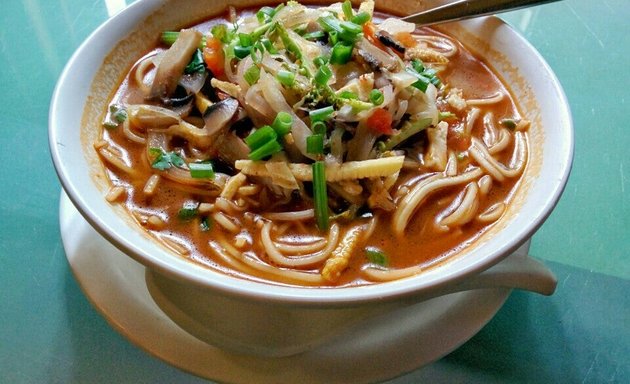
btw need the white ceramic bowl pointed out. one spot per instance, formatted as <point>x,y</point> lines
<point>216,307</point>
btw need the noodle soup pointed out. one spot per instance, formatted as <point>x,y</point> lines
<point>313,146</point>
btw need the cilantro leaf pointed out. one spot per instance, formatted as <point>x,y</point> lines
<point>164,160</point>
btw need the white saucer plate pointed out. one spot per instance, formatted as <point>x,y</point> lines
<point>377,349</point>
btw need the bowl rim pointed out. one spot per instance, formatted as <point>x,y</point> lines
<point>187,272</point>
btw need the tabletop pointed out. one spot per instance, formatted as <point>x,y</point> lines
<point>50,333</point>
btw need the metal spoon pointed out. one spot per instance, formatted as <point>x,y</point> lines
<point>466,9</point>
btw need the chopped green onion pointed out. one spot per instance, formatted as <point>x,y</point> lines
<point>346,7</point>
<point>409,129</point>
<point>260,137</point>
<point>258,49</point>
<point>321,114</point>
<point>286,78</point>
<point>323,75</point>
<point>169,37</point>
<point>220,32</point>
<point>376,97</point>
<point>242,52</point>
<point>333,37</point>
<point>341,53</point>
<point>320,195</point>
<point>361,18</point>
<point>268,149</point>
<point>417,65</point>
<point>268,45</point>
<point>289,44</point>
<point>202,170</point>
<point>348,95</point>
<point>205,224</point>
<point>316,35</point>
<point>376,256</point>
<point>245,39</point>
<point>315,144</point>
<point>188,211</point>
<point>265,14</point>
<point>425,75</point>
<point>252,74</point>
<point>282,123</point>
<point>319,127</point>
<point>358,105</point>
<point>422,83</point>
<point>351,27</point>
<point>258,32</point>
<point>319,61</point>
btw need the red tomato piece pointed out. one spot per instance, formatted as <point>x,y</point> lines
<point>380,121</point>
<point>213,56</point>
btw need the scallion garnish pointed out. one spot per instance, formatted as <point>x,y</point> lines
<point>376,256</point>
<point>202,170</point>
<point>508,123</point>
<point>319,127</point>
<point>268,45</point>
<point>282,123</point>
<point>315,144</point>
<point>319,61</point>
<point>188,210</point>
<point>220,32</point>
<point>422,83</point>
<point>376,97</point>
<point>260,137</point>
<point>348,95</point>
<point>241,52</point>
<point>323,75</point>
<point>351,27</point>
<point>321,114</point>
<point>346,7</point>
<point>252,74</point>
<point>361,18</point>
<point>341,53</point>
<point>245,39</point>
<point>320,196</point>
<point>316,35</point>
<point>286,78</point>
<point>425,75</point>
<point>265,150</point>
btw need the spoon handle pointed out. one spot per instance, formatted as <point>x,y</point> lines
<point>465,9</point>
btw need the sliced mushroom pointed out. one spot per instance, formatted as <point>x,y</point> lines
<point>218,115</point>
<point>388,40</point>
<point>230,147</point>
<point>374,56</point>
<point>172,65</point>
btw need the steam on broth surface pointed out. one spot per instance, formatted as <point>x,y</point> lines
<point>313,146</point>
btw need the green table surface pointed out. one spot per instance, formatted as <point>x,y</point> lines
<point>49,332</point>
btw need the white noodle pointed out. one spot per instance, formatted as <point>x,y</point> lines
<point>290,216</point>
<point>302,260</point>
<point>487,100</point>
